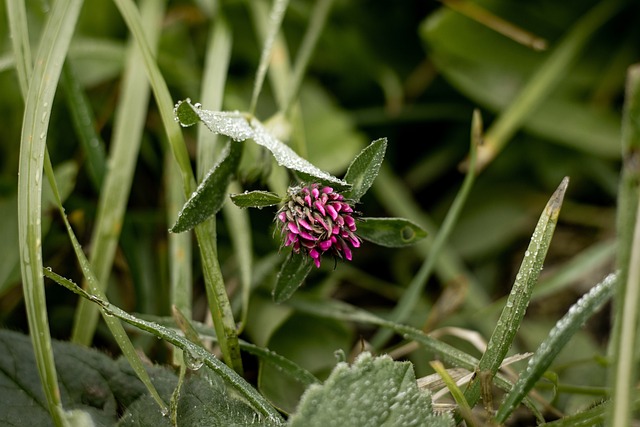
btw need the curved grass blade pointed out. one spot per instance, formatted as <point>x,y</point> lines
<point>390,232</point>
<point>283,364</point>
<point>626,303</point>
<point>43,83</point>
<point>520,295</point>
<point>560,335</point>
<point>171,336</point>
<point>211,194</point>
<point>411,296</point>
<point>131,113</point>
<point>114,325</point>
<point>364,169</point>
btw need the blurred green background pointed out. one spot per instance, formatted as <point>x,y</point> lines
<point>410,71</point>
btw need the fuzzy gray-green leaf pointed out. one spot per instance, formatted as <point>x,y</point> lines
<point>208,198</point>
<point>364,169</point>
<point>374,391</point>
<point>255,199</point>
<point>390,232</point>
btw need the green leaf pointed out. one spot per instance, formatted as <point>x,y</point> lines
<point>364,169</point>
<point>390,232</point>
<point>208,198</point>
<point>107,391</point>
<point>292,273</point>
<point>241,127</point>
<point>93,382</point>
<point>374,391</point>
<point>255,199</point>
<point>185,113</point>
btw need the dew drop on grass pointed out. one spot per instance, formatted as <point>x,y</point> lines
<point>193,361</point>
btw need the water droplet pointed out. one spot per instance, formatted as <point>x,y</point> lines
<point>43,135</point>
<point>193,361</point>
<point>164,411</point>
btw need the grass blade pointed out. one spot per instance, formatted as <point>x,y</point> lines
<point>52,51</point>
<point>543,81</point>
<point>627,302</point>
<point>127,136</point>
<point>214,284</point>
<point>171,336</point>
<point>83,121</point>
<point>411,296</point>
<point>275,21</point>
<point>560,335</point>
<point>19,30</point>
<point>520,295</point>
<point>114,325</point>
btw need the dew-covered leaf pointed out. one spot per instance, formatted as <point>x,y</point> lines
<point>374,391</point>
<point>364,169</point>
<point>288,158</point>
<point>292,273</point>
<point>255,199</point>
<point>240,127</point>
<point>390,232</point>
<point>208,198</point>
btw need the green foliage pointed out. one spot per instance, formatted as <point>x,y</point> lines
<point>374,391</point>
<point>390,232</point>
<point>104,184</point>
<point>208,198</point>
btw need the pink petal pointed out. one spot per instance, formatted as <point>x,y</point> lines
<point>293,228</point>
<point>332,212</point>
<point>320,206</point>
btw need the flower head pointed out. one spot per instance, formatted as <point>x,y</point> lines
<point>315,220</point>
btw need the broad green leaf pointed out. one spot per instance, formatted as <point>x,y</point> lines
<point>374,391</point>
<point>364,169</point>
<point>547,351</point>
<point>255,199</point>
<point>294,270</point>
<point>93,382</point>
<point>390,232</point>
<point>107,391</point>
<point>208,198</point>
<point>240,127</point>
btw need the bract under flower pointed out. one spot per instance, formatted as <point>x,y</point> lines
<point>316,220</point>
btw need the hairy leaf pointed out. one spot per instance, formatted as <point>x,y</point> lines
<point>292,273</point>
<point>364,169</point>
<point>374,391</point>
<point>208,198</point>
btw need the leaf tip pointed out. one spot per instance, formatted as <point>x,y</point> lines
<point>185,113</point>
